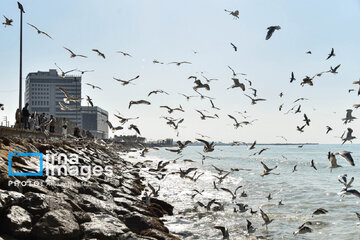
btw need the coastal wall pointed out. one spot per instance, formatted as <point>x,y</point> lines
<point>69,207</point>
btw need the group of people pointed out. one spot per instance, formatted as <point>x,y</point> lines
<point>37,122</point>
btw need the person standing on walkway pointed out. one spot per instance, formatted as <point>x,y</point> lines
<point>64,127</point>
<point>52,124</point>
<point>25,116</point>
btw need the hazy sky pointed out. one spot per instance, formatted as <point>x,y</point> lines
<point>170,31</point>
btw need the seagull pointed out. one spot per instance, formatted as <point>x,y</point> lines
<point>199,84</point>
<point>63,107</point>
<point>320,211</point>
<point>349,118</point>
<point>69,98</point>
<point>300,129</point>
<point>8,22</point>
<point>267,170</point>
<point>269,197</point>
<point>303,229</point>
<point>300,99</point>
<point>298,110</point>
<point>156,61</point>
<point>39,31</point>
<point>203,96</point>
<point>235,48</point>
<point>89,100</point>
<point>343,179</point>
<point>313,164</point>
<point>124,120</point>
<point>328,129</point>
<point>266,218</point>
<point>64,73</point>
<point>208,206</point>
<point>308,52</point>
<point>271,30</point>
<point>236,124</point>
<point>155,193</point>
<point>349,136</point>
<point>333,161</point>
<point>292,78</point>
<point>280,107</point>
<point>179,63</point>
<point>346,191</point>
<point>254,100</point>
<point>112,127</point>
<point>249,227</point>
<point>134,127</point>
<point>1,106</point>
<point>157,91</point>
<point>209,80</point>
<point>187,97</point>
<point>252,146</point>
<point>126,82</point>
<point>242,207</point>
<point>93,86</point>
<point>306,120</point>
<point>138,102</point>
<point>334,70</point>
<point>237,84</point>
<point>213,106</point>
<point>307,80</point>
<point>235,13</point>
<point>171,110</point>
<point>224,231</point>
<point>99,53</point>
<point>357,82</point>
<point>235,74</point>
<point>72,54</point>
<point>208,147</point>
<point>347,156</point>
<point>84,71</point>
<point>203,116</point>
<point>331,54</point>
<point>124,53</point>
<point>358,216</point>
<point>233,194</point>
<point>294,169</point>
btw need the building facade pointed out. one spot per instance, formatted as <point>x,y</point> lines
<point>43,94</point>
<point>94,120</point>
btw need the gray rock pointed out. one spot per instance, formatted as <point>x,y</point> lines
<point>18,222</point>
<point>104,227</point>
<point>56,225</point>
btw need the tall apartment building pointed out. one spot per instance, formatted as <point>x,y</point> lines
<point>94,119</point>
<point>43,94</point>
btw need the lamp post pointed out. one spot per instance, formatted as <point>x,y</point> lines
<point>20,74</point>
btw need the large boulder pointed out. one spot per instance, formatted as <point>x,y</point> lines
<point>104,227</point>
<point>56,225</point>
<point>18,222</point>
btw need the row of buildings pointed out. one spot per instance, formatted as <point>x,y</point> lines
<point>43,95</point>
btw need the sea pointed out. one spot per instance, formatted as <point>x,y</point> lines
<point>301,192</point>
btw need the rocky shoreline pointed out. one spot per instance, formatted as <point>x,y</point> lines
<point>63,207</point>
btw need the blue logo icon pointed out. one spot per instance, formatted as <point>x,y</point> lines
<point>40,155</point>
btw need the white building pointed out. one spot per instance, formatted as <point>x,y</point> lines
<point>43,94</point>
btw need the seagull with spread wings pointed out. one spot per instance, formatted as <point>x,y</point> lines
<point>179,63</point>
<point>271,30</point>
<point>8,22</point>
<point>39,31</point>
<point>99,53</point>
<point>72,54</point>
<point>237,84</point>
<point>255,100</point>
<point>126,82</point>
<point>124,53</point>
<point>63,74</point>
<point>138,102</point>
<point>93,86</point>
<point>69,98</point>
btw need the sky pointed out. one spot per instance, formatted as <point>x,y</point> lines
<point>170,31</point>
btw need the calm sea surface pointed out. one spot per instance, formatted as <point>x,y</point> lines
<point>301,192</point>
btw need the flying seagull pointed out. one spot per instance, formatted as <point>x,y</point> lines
<point>237,84</point>
<point>208,147</point>
<point>99,53</point>
<point>93,86</point>
<point>349,118</point>
<point>8,22</point>
<point>179,63</point>
<point>64,73</point>
<point>235,13</point>
<point>254,100</point>
<point>348,136</point>
<point>69,98</point>
<point>331,54</point>
<point>138,102</point>
<point>266,218</point>
<point>292,77</point>
<point>126,82</point>
<point>271,30</point>
<point>328,129</point>
<point>235,48</point>
<point>39,31</point>
<point>72,54</point>
<point>112,127</point>
<point>124,53</point>
<point>89,100</point>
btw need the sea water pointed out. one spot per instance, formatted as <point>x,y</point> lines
<point>301,192</point>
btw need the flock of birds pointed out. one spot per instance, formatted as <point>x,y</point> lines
<point>204,84</point>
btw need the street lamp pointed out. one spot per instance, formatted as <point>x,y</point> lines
<point>20,77</point>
